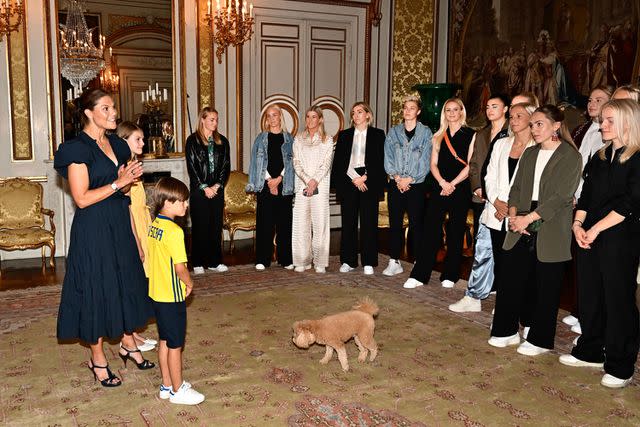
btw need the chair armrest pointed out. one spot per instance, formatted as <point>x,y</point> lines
<point>50,213</point>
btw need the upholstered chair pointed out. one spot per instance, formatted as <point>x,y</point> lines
<point>22,224</point>
<point>239,206</point>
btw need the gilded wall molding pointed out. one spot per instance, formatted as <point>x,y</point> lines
<point>18,53</point>
<point>413,49</point>
<point>204,46</point>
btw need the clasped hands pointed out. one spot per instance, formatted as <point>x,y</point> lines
<point>584,238</point>
<point>403,184</point>
<point>311,187</point>
<point>502,210</point>
<point>519,223</point>
<point>211,192</point>
<point>360,183</point>
<point>447,187</point>
<point>128,174</point>
<point>273,184</point>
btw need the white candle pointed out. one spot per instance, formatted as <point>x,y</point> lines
<point>141,96</point>
<point>164,93</point>
<point>149,88</point>
<point>156,87</point>
<point>209,7</point>
<point>250,9</point>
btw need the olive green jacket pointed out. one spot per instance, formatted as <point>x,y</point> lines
<point>558,183</point>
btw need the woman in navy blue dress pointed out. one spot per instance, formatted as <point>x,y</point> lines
<point>104,293</point>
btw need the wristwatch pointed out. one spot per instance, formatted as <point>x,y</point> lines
<point>114,186</point>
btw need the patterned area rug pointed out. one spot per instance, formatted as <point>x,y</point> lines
<point>434,366</point>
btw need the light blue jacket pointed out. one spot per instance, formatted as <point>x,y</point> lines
<point>408,158</point>
<point>260,160</point>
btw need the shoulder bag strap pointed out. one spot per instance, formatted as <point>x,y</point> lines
<point>451,150</point>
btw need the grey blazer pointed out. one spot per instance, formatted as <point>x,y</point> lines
<point>558,183</point>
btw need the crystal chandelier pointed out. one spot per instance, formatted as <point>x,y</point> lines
<point>10,10</point>
<point>80,60</point>
<point>230,25</point>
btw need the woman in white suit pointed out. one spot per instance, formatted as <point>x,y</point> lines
<point>493,222</point>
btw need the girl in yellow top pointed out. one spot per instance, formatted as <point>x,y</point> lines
<point>138,210</point>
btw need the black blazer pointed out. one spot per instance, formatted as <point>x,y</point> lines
<point>373,159</point>
<point>197,157</point>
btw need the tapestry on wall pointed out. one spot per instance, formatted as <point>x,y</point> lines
<point>560,51</point>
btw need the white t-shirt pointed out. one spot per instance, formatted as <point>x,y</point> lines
<point>541,162</point>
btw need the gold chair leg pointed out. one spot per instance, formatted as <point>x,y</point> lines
<point>52,259</point>
<point>231,233</point>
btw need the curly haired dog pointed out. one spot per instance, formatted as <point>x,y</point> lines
<point>333,331</point>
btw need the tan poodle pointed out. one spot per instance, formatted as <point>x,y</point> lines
<point>333,331</point>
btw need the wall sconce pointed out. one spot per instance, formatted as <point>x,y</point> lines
<point>10,10</point>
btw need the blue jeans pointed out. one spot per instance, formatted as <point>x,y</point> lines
<point>482,275</point>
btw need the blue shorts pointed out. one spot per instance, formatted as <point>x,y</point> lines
<point>171,318</point>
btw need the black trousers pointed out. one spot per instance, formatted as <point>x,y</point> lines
<point>354,205</point>
<point>412,202</point>
<point>606,302</point>
<point>497,240</point>
<point>457,205</point>
<point>206,228</point>
<point>523,275</point>
<point>477,211</point>
<point>274,215</point>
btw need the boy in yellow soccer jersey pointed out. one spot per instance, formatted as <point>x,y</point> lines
<point>169,286</point>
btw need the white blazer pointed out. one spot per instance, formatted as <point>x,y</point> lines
<point>497,180</point>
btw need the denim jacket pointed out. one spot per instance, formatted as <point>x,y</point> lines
<point>260,160</point>
<point>408,158</point>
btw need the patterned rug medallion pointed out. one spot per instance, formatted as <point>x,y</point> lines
<point>434,367</point>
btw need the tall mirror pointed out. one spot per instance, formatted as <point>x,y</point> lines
<point>133,42</point>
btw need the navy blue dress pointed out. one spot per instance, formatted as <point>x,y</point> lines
<point>104,293</point>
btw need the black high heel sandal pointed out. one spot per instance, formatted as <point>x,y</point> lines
<point>145,364</point>
<point>107,382</point>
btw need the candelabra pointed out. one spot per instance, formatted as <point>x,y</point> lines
<point>10,10</point>
<point>109,78</point>
<point>230,25</point>
<point>80,59</point>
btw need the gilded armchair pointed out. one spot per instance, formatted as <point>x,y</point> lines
<point>239,207</point>
<point>22,224</point>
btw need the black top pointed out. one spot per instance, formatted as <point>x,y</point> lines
<point>198,165</point>
<point>410,133</point>
<point>512,166</point>
<point>611,186</point>
<point>274,154</point>
<point>448,166</point>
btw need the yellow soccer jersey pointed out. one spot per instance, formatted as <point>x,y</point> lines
<point>166,248</point>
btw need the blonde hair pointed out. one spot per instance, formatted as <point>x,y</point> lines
<point>216,135</point>
<point>626,113</point>
<point>366,108</point>
<point>126,129</point>
<point>316,109</point>
<point>265,121</point>
<point>412,98</point>
<point>634,92</point>
<point>530,108</point>
<point>444,124</point>
<point>531,99</point>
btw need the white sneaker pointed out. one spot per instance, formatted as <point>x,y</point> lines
<point>221,268</point>
<point>321,270</point>
<point>505,341</point>
<point>198,270</point>
<point>260,267</point>
<point>393,268</point>
<point>570,320</point>
<point>150,341</point>
<point>412,283</point>
<point>146,347</point>
<point>447,284</point>
<point>289,267</point>
<point>345,268</point>
<point>575,340</point>
<point>186,395</point>
<point>529,349</point>
<point>577,329</point>
<point>610,381</point>
<point>368,270</point>
<point>570,360</point>
<point>525,332</point>
<point>301,268</point>
<point>165,392</point>
<point>466,304</point>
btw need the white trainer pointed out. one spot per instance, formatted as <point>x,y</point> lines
<point>528,349</point>
<point>260,267</point>
<point>321,270</point>
<point>301,268</point>
<point>502,342</point>
<point>576,329</point>
<point>221,268</point>
<point>150,341</point>
<point>610,381</point>
<point>146,346</point>
<point>186,395</point>
<point>447,284</point>
<point>345,268</point>
<point>575,340</point>
<point>393,268</point>
<point>570,320</point>
<point>165,392</point>
<point>525,332</point>
<point>412,283</point>
<point>368,270</point>
<point>289,267</point>
<point>571,360</point>
<point>198,270</point>
<point>466,304</point>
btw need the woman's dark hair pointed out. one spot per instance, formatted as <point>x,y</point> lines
<point>87,101</point>
<point>168,189</point>
<point>504,98</point>
<point>554,114</point>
